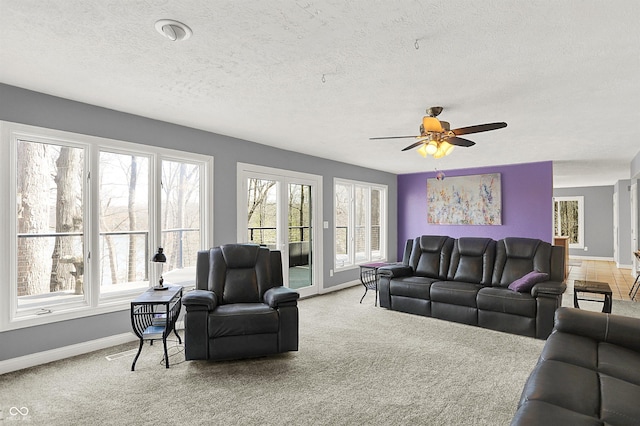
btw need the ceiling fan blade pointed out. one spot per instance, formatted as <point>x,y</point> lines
<point>413,145</point>
<point>394,137</point>
<point>478,128</point>
<point>460,141</point>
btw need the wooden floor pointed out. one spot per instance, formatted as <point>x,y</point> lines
<point>620,280</point>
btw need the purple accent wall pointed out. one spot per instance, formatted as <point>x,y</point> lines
<point>527,204</point>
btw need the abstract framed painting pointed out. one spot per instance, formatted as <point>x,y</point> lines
<point>465,200</point>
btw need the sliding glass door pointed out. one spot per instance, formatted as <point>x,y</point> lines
<point>278,209</point>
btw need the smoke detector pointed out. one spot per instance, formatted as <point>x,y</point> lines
<point>173,30</point>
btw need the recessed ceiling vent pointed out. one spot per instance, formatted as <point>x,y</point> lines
<point>173,30</point>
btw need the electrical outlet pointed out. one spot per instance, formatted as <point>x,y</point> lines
<point>330,272</point>
<point>586,248</point>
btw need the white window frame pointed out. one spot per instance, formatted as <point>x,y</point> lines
<point>93,304</point>
<point>352,262</point>
<point>580,200</point>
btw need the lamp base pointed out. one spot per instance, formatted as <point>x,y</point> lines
<point>161,287</point>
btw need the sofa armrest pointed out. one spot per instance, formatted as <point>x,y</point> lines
<point>548,289</point>
<point>395,271</point>
<point>200,300</point>
<point>281,296</point>
<point>614,329</point>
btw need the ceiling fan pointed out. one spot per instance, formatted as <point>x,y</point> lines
<point>437,139</point>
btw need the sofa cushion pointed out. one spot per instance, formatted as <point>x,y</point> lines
<point>497,299</point>
<point>619,401</point>
<point>526,283</point>
<point>472,260</point>
<point>455,293</point>
<point>413,286</point>
<point>515,257</point>
<point>242,318</point>
<point>619,362</point>
<point>431,255</point>
<point>579,392</point>
<point>572,349</point>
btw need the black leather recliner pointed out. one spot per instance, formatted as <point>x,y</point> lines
<point>239,308</point>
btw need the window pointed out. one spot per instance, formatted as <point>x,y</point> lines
<point>568,219</point>
<point>84,216</point>
<point>124,221</point>
<point>360,223</point>
<point>181,222</point>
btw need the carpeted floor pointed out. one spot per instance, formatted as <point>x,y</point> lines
<point>357,364</point>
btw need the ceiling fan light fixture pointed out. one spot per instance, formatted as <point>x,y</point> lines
<point>446,147</point>
<point>423,150</point>
<point>432,147</point>
<point>173,30</point>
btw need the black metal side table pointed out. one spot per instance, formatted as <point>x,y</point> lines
<point>369,277</point>
<point>593,287</point>
<point>153,316</point>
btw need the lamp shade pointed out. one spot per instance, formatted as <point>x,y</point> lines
<point>423,150</point>
<point>159,256</point>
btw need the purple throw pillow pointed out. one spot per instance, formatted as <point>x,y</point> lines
<point>527,282</point>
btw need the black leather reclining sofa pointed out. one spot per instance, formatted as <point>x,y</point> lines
<point>588,373</point>
<point>466,280</point>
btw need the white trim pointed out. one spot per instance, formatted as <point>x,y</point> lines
<point>342,286</point>
<point>605,259</point>
<point>57,354</point>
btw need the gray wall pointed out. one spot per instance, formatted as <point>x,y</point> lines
<point>622,190</point>
<point>635,167</point>
<point>37,109</point>
<point>598,219</point>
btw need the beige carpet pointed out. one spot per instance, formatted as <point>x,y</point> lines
<point>357,364</point>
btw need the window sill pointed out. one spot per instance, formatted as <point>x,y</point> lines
<point>67,314</point>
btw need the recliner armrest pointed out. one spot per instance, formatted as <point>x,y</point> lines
<point>200,300</point>
<point>395,271</point>
<point>548,288</point>
<point>280,296</point>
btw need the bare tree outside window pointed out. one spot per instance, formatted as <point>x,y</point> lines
<point>342,212</point>
<point>180,214</point>
<point>124,218</point>
<point>49,221</point>
<point>360,221</point>
<point>568,219</point>
<point>262,211</point>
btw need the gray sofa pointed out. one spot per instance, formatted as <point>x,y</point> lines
<point>588,373</point>
<point>467,280</point>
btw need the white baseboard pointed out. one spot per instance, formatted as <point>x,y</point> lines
<point>340,286</point>
<point>605,259</point>
<point>39,358</point>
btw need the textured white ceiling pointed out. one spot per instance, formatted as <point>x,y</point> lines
<point>564,75</point>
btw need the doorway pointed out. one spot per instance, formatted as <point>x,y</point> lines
<point>281,210</point>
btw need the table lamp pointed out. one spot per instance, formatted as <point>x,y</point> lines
<point>160,258</point>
